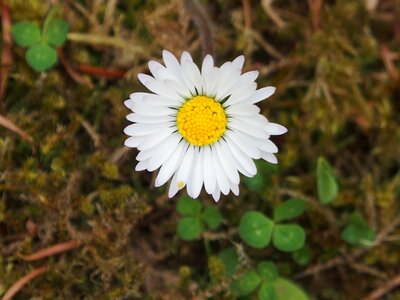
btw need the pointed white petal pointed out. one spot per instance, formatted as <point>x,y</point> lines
<point>171,164</point>
<point>222,180</point>
<point>164,151</point>
<point>145,129</point>
<point>260,94</point>
<point>227,162</point>
<point>216,195</point>
<point>242,110</point>
<point>242,158</point>
<point>238,62</point>
<point>186,167</point>
<point>154,139</point>
<point>133,142</point>
<point>208,64</point>
<point>276,129</point>
<point>268,146</point>
<point>196,178</point>
<point>269,157</point>
<point>238,125</point>
<point>137,118</point>
<point>243,144</point>
<point>241,94</point>
<point>142,165</point>
<point>209,175</point>
<point>185,57</point>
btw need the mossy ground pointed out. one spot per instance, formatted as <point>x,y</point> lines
<point>338,91</point>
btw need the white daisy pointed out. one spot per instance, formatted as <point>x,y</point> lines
<point>200,127</point>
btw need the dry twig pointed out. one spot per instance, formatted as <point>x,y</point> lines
<point>14,128</point>
<point>383,290</point>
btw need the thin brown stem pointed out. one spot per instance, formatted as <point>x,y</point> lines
<point>59,248</point>
<point>23,281</point>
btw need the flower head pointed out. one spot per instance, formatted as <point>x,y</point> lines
<point>200,127</point>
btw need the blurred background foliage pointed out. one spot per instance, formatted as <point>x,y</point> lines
<point>66,179</point>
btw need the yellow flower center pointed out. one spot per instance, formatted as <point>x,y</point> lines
<point>201,121</point>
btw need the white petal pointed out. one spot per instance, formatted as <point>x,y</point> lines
<point>258,121</point>
<point>234,188</point>
<point>247,129</point>
<point>172,64</point>
<point>186,167</point>
<point>134,117</point>
<point>208,64</point>
<point>153,99</point>
<point>185,57</point>
<point>149,110</point>
<point>159,71</point>
<point>226,83</point>
<point>227,162</point>
<point>241,94</point>
<point>181,89</point>
<point>171,164</point>
<point>268,146</point>
<point>243,110</point>
<point>196,178</point>
<point>260,94</point>
<point>222,180</point>
<point>128,103</point>
<point>244,144</point>
<point>173,187</point>
<point>216,195</point>
<point>210,180</point>
<point>238,62</point>
<point>242,158</point>
<point>133,142</point>
<point>164,152</point>
<point>142,165</point>
<point>193,74</point>
<point>276,129</point>
<point>154,139</point>
<point>244,79</point>
<point>145,129</point>
<point>269,157</point>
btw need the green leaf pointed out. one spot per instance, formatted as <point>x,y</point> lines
<point>187,206</point>
<point>267,292</point>
<point>289,210</point>
<point>326,182</point>
<point>41,57</point>
<point>302,256</point>
<point>267,270</point>
<point>255,183</point>
<point>25,34</point>
<point>357,232</point>
<point>212,217</point>
<point>255,229</point>
<point>56,32</point>
<point>189,228</point>
<point>287,290</point>
<point>289,237</point>
<point>230,259</point>
<point>246,283</point>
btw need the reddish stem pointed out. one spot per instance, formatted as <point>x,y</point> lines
<point>22,281</point>
<point>51,251</point>
<point>101,72</point>
<point>6,58</point>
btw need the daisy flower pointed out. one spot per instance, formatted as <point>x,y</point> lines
<point>200,127</point>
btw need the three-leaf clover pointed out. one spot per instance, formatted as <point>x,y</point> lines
<point>41,54</point>
<point>269,284</point>
<point>194,218</point>
<point>257,230</point>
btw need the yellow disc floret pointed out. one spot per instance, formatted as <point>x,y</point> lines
<point>201,121</point>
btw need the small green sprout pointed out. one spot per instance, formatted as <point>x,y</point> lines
<point>326,182</point>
